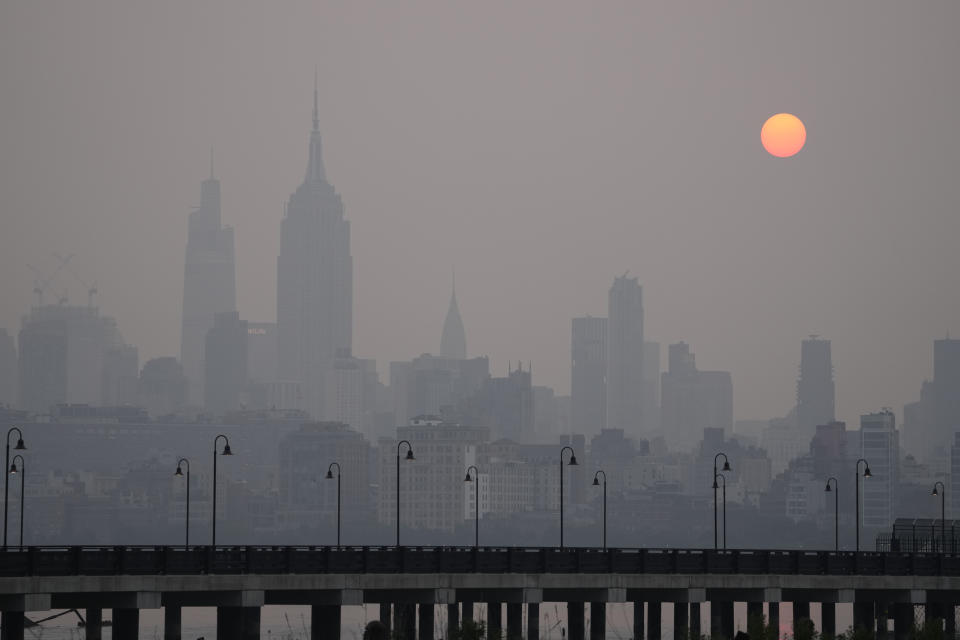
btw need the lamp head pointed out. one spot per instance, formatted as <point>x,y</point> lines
<point>726,465</point>
<point>715,485</point>
<point>934,492</point>
<point>596,481</point>
<point>827,488</point>
<point>410,454</point>
<point>573,460</point>
<point>866,472</point>
<point>13,467</point>
<point>329,474</point>
<point>20,446</point>
<point>226,450</point>
<point>178,472</point>
<point>468,479</point>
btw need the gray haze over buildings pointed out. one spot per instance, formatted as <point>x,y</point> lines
<point>539,148</point>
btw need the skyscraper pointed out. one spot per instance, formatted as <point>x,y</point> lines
<point>588,372</point>
<point>815,389</point>
<point>453,342</point>
<point>693,400</point>
<point>225,363</point>
<point>209,282</point>
<point>625,357</point>
<point>8,369</point>
<point>314,279</point>
<point>880,446</point>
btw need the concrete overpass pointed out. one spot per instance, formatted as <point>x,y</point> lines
<point>408,582</point>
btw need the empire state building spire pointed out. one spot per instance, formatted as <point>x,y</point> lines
<point>315,170</point>
<point>453,342</point>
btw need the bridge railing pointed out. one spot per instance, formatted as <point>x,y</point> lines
<point>179,560</point>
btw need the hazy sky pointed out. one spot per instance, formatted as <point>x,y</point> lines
<point>540,147</point>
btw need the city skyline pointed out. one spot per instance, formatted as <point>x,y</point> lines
<point>742,299</point>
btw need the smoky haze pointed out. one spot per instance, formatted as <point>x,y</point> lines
<point>538,148</point>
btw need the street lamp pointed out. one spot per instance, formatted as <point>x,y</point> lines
<point>23,488</point>
<point>476,504</point>
<point>226,452</point>
<point>6,484</point>
<point>836,511</point>
<point>179,472</point>
<point>726,467</point>
<point>943,511</point>
<point>573,462</point>
<point>409,457</point>
<point>866,474</point>
<point>330,477</point>
<point>596,483</point>
<point>723,484</point>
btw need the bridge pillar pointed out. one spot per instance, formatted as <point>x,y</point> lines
<point>575,622</point>
<point>882,620</point>
<point>863,616</point>
<point>639,629</point>
<point>681,621</point>
<point>754,611</point>
<point>171,622</point>
<point>385,616</point>
<point>126,623</point>
<point>494,618</point>
<point>654,620</point>
<point>801,611</point>
<point>773,617</point>
<point>12,625</point>
<point>828,620</point>
<point>325,622</point>
<point>233,623</point>
<point>902,620</point>
<point>453,620</point>
<point>426,621</point>
<point>721,619</point>
<point>94,627</point>
<point>408,628</point>
<point>950,621</point>
<point>514,621</point>
<point>467,611</point>
<point>695,620</point>
<point>598,621</point>
<point>533,621</point>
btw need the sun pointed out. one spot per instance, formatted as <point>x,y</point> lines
<point>783,135</point>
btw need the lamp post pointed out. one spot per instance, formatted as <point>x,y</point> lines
<point>943,511</point>
<point>573,461</point>
<point>226,452</point>
<point>726,467</point>
<point>23,488</point>
<point>179,472</point>
<point>866,474</point>
<point>836,512</point>
<point>596,483</point>
<point>6,480</point>
<point>409,457</point>
<point>330,477</point>
<point>723,484</point>
<point>476,504</point>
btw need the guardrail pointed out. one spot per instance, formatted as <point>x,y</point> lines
<point>143,560</point>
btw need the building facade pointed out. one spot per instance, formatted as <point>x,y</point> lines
<point>880,447</point>
<point>625,371</point>
<point>588,374</point>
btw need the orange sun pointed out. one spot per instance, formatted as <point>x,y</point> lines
<point>783,135</point>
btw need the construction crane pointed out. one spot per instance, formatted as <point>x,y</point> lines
<point>41,283</point>
<point>91,288</point>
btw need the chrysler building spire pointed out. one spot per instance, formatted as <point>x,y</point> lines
<point>453,342</point>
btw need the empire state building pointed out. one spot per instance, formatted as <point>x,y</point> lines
<point>314,280</point>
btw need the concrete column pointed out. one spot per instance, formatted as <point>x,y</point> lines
<point>575,621</point>
<point>950,621</point>
<point>494,618</point>
<point>882,612</point>
<point>250,623</point>
<point>654,620</point>
<point>801,611</point>
<point>126,623</point>
<point>426,622</point>
<point>409,627</point>
<point>467,613</point>
<point>902,620</point>
<point>695,620</point>
<point>726,619</point>
<point>773,617</point>
<point>325,622</point>
<point>754,611</point>
<point>533,621</point>
<point>398,621</point>
<point>639,629</point>
<point>863,616</point>
<point>453,620</point>
<point>681,621</point>
<point>514,621</point>
<point>716,621</point>
<point>933,611</point>
<point>94,627</point>
<point>233,623</point>
<point>171,622</point>
<point>828,619</point>
<point>13,625</point>
<point>598,621</point>
<point>385,617</point>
